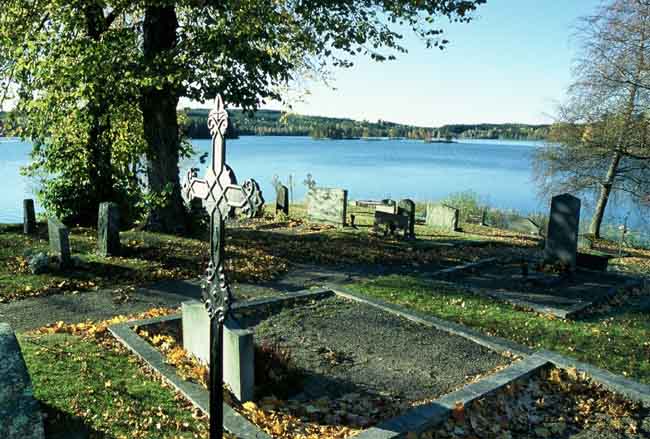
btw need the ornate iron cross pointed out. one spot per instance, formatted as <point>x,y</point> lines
<point>221,196</point>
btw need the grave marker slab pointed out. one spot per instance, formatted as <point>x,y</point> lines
<point>406,208</point>
<point>20,415</point>
<point>562,235</point>
<point>238,348</point>
<point>442,217</point>
<point>108,229</point>
<point>59,237</point>
<point>327,205</point>
<point>282,199</point>
<point>29,217</point>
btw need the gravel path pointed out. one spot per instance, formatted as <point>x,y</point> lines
<point>35,312</point>
<point>345,347</point>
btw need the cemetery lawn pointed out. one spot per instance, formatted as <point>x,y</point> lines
<point>146,257</point>
<point>85,387</point>
<point>615,337</point>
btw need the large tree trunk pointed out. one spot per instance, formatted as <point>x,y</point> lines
<point>161,125</point>
<point>100,169</point>
<point>603,198</point>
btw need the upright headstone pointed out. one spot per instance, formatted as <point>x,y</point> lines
<point>29,217</point>
<point>407,209</point>
<point>562,235</point>
<point>20,413</point>
<point>108,229</point>
<point>327,205</point>
<point>238,349</point>
<point>59,241</point>
<point>282,199</point>
<point>443,217</point>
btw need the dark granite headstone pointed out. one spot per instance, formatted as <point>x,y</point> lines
<point>562,235</point>
<point>29,217</point>
<point>406,208</point>
<point>59,236</point>
<point>282,199</point>
<point>108,229</point>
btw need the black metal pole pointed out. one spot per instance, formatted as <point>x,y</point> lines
<point>216,378</point>
<point>217,227</point>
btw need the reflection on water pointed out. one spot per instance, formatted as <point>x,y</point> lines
<point>499,171</point>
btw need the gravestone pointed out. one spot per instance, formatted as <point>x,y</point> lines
<point>108,229</point>
<point>238,348</point>
<point>20,415</point>
<point>523,225</point>
<point>562,235</point>
<point>327,206</point>
<point>282,199</point>
<point>443,217</point>
<point>386,208</point>
<point>29,217</point>
<point>406,208</point>
<point>59,237</point>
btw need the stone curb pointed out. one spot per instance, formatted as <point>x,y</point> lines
<point>233,422</point>
<point>316,293</point>
<point>497,344</point>
<point>616,383</point>
<point>464,267</point>
<point>423,418</point>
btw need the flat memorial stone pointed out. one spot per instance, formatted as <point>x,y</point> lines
<point>20,415</point>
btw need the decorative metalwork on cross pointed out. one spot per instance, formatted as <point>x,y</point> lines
<point>221,197</point>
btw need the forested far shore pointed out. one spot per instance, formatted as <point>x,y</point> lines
<point>278,123</point>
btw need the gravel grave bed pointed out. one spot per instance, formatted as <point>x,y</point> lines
<point>346,347</point>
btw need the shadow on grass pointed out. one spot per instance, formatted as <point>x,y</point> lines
<point>62,425</point>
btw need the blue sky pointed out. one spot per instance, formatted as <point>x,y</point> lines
<point>512,64</point>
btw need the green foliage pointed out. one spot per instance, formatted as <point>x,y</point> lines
<point>91,74</point>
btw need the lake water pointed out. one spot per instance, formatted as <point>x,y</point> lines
<point>499,171</point>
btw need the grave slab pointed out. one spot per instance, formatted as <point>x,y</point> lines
<point>327,205</point>
<point>238,348</point>
<point>59,241</point>
<point>563,227</point>
<point>20,415</point>
<point>442,217</point>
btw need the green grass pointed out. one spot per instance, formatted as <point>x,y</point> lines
<point>85,387</point>
<point>616,339</point>
<point>145,257</point>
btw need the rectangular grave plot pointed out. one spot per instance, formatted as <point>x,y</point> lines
<point>348,351</point>
<point>552,403</point>
<point>336,365</point>
<point>558,294</point>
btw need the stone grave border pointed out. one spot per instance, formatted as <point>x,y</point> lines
<point>418,419</point>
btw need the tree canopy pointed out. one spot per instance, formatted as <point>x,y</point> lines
<point>600,142</point>
<point>98,81</point>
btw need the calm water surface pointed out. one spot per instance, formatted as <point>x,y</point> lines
<point>499,171</point>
